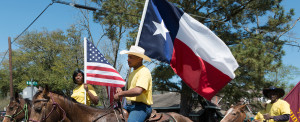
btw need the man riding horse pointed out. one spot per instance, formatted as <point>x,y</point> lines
<point>139,86</point>
<point>278,109</point>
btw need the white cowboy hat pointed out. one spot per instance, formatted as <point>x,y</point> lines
<point>137,51</point>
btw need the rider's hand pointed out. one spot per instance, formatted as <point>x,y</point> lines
<point>118,89</point>
<point>86,87</point>
<point>116,97</point>
<point>268,116</point>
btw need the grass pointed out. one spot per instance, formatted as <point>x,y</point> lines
<point>3,102</point>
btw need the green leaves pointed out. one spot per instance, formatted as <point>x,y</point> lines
<point>47,58</point>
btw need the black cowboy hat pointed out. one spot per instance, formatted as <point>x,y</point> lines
<point>280,91</point>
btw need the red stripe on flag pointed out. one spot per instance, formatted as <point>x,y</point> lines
<point>104,76</point>
<point>198,74</point>
<point>101,69</point>
<point>103,83</point>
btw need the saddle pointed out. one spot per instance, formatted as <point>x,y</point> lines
<point>153,117</point>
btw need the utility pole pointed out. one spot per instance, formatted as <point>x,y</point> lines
<point>76,5</point>
<point>10,69</point>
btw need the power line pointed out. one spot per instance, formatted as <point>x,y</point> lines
<point>26,29</point>
<point>96,9</point>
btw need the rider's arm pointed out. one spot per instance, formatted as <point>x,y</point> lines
<point>136,91</point>
<point>284,117</point>
<point>93,98</point>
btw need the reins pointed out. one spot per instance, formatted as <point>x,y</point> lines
<point>107,112</point>
<point>25,109</point>
<point>246,119</point>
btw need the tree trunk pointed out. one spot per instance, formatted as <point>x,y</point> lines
<point>186,102</point>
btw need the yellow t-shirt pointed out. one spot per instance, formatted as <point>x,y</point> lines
<point>280,107</point>
<point>141,77</point>
<point>78,94</point>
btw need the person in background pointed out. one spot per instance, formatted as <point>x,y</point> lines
<point>81,88</point>
<point>139,86</point>
<point>278,109</point>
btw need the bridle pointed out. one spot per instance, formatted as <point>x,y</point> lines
<point>25,109</point>
<point>54,106</point>
<point>234,118</point>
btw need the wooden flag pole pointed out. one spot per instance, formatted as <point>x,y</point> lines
<point>10,69</point>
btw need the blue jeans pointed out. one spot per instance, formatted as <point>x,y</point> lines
<point>138,111</point>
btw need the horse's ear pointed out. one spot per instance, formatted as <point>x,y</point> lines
<point>16,95</point>
<point>40,88</point>
<point>242,107</point>
<point>46,90</point>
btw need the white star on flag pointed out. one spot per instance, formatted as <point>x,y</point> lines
<point>161,29</point>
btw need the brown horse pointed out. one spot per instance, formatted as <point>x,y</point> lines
<point>17,109</point>
<point>236,114</point>
<point>78,112</point>
<point>54,113</point>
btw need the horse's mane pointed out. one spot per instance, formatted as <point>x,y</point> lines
<point>37,94</point>
<point>80,105</point>
<point>65,96</point>
<point>84,107</point>
<point>58,93</point>
<point>28,101</point>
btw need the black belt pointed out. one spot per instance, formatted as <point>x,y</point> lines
<point>136,103</point>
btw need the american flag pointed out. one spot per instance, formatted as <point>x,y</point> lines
<point>98,70</point>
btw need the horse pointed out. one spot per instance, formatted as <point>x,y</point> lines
<point>236,114</point>
<point>17,109</point>
<point>54,113</point>
<point>78,112</point>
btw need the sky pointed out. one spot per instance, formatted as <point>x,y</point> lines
<point>16,15</point>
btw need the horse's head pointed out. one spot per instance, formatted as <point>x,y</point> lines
<point>40,102</point>
<point>17,109</point>
<point>45,108</point>
<point>235,114</point>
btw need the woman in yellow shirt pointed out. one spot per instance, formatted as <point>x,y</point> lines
<point>78,92</point>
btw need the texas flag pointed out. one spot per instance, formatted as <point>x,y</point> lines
<point>196,54</point>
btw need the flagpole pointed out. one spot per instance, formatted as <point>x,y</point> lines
<point>142,23</point>
<point>85,60</point>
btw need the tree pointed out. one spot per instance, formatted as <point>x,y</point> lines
<point>283,74</point>
<point>115,21</point>
<point>47,58</point>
